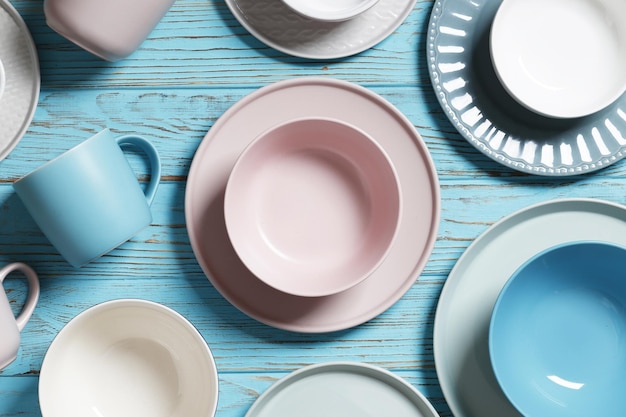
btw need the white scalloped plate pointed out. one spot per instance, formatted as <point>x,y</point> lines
<point>18,57</point>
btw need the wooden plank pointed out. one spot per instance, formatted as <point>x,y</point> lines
<point>176,120</point>
<point>238,391</point>
<point>197,63</point>
<point>163,250</point>
<point>399,339</point>
<point>200,43</point>
<point>159,265</point>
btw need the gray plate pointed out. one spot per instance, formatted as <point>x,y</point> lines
<point>484,113</point>
<point>18,57</point>
<point>470,292</point>
<point>341,389</point>
<point>276,25</point>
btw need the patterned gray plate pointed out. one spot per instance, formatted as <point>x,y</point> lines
<point>482,111</point>
<point>274,24</point>
<point>18,57</point>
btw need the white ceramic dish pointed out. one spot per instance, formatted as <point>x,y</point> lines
<point>470,292</point>
<point>128,358</point>
<point>307,97</point>
<point>276,25</point>
<point>330,10</point>
<point>312,206</point>
<point>2,79</point>
<point>478,106</point>
<point>573,61</point>
<point>341,389</point>
<point>18,57</point>
<point>111,30</point>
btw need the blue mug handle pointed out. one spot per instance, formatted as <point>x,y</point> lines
<point>153,156</point>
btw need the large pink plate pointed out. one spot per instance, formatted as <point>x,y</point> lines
<point>276,103</point>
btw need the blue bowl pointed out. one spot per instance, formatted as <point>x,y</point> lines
<point>557,337</point>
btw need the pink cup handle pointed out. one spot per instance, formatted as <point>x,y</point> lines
<point>33,290</point>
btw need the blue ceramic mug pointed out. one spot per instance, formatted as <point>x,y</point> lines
<point>88,201</point>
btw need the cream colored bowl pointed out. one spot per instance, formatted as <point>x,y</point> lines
<point>128,358</point>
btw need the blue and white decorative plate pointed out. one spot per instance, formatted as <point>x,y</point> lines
<point>479,107</point>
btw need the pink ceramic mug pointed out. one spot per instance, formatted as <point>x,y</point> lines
<point>11,326</point>
<point>110,29</point>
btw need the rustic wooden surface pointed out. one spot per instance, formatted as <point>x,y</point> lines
<point>196,64</point>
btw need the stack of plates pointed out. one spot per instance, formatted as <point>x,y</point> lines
<point>469,295</point>
<point>471,96</point>
<point>323,98</point>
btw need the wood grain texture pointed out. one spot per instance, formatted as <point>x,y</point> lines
<point>197,63</point>
<point>197,40</point>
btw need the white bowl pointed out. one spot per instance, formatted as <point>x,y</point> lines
<point>128,358</point>
<point>312,206</point>
<point>330,10</point>
<point>561,58</point>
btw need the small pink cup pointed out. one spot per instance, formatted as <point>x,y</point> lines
<point>110,29</point>
<point>312,206</point>
<point>10,326</point>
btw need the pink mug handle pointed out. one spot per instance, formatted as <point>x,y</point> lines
<point>33,290</point>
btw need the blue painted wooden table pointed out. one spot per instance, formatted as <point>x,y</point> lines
<point>197,63</point>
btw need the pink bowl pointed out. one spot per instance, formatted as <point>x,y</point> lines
<point>312,206</point>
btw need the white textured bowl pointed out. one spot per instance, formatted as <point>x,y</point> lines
<point>561,58</point>
<point>128,358</point>
<point>330,10</point>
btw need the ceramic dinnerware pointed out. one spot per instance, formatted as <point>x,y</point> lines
<point>558,332</point>
<point>330,10</point>
<point>312,206</point>
<point>276,25</point>
<point>280,102</point>
<point>482,111</point>
<point>461,330</point>
<point>10,326</point>
<point>341,389</point>
<point>88,200</point>
<point>111,30</point>
<point>2,79</point>
<point>570,64</point>
<point>20,65</point>
<point>128,358</point>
